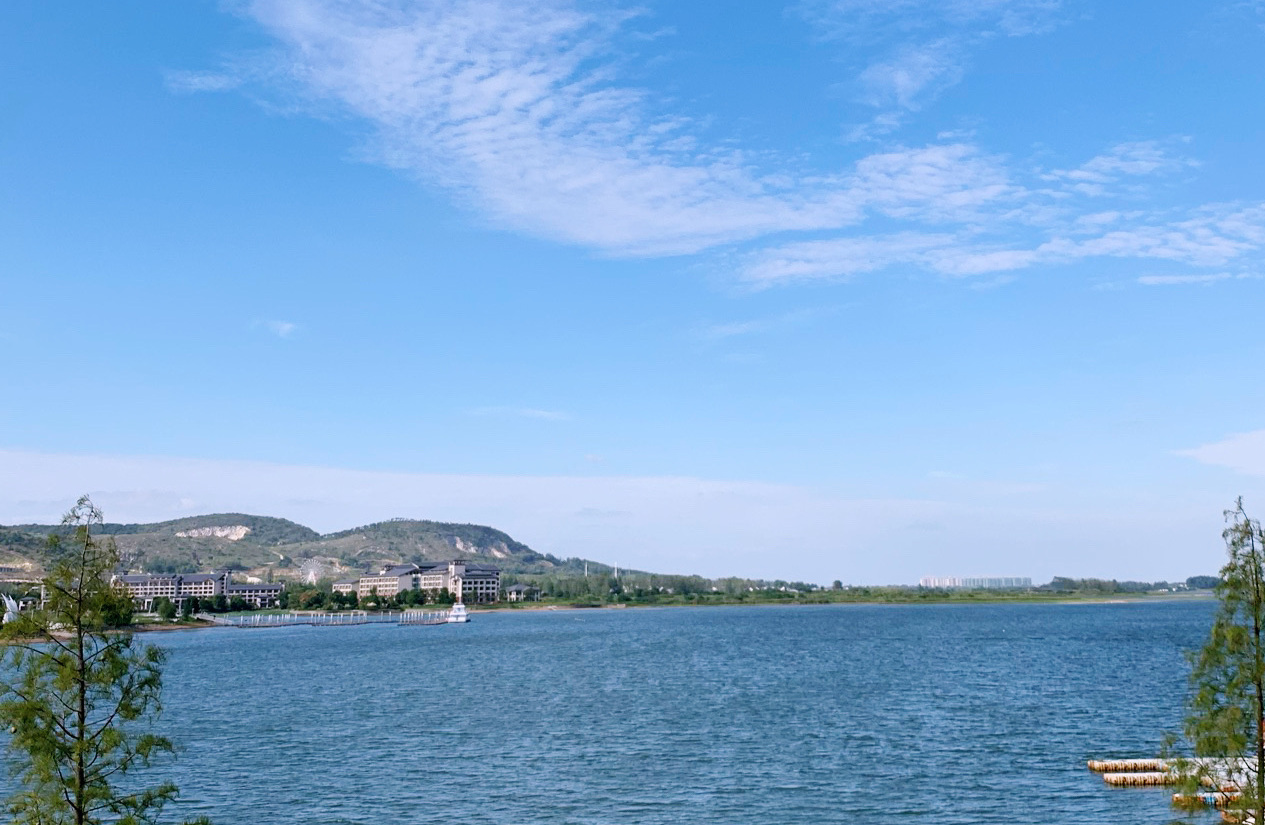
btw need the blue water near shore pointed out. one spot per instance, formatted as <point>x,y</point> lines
<point>833,714</point>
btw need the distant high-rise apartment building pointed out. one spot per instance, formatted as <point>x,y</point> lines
<point>977,582</point>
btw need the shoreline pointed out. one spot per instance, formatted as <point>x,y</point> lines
<point>1071,600</point>
<point>154,627</point>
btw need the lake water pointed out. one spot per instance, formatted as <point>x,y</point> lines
<point>713,716</point>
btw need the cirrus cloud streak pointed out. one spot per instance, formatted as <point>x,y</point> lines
<point>519,111</point>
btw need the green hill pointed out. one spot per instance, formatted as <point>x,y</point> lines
<point>268,546</point>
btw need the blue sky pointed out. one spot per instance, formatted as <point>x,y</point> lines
<point>852,289</point>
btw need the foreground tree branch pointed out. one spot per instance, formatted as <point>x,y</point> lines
<point>1225,722</point>
<point>78,694</point>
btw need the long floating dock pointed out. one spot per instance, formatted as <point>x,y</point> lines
<point>1223,775</point>
<point>1215,799</point>
<point>1141,778</point>
<point>407,617</point>
<point>1127,765</point>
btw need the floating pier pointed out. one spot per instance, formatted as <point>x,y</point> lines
<point>1222,775</point>
<point>408,617</point>
<point>424,617</point>
<point>1238,818</point>
<point>1127,765</point>
<point>1215,799</point>
<point>1140,778</point>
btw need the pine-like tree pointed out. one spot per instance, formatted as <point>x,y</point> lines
<point>78,694</point>
<point>1225,723</point>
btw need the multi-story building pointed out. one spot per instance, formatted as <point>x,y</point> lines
<point>257,595</point>
<point>476,583</point>
<point>388,581</point>
<point>522,593</point>
<point>977,582</point>
<point>177,587</point>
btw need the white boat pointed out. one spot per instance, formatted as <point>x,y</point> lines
<point>10,609</point>
<point>458,614</point>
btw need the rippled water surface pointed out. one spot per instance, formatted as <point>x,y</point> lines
<point>847,714</point>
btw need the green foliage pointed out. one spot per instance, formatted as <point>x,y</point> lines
<point>263,529</point>
<point>310,599</point>
<point>1202,582</point>
<point>1226,711</point>
<point>165,608</point>
<point>158,564</point>
<point>22,543</point>
<point>1103,586</point>
<point>77,697</point>
<point>344,601</point>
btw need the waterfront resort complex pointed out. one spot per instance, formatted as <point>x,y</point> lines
<point>177,587</point>
<point>976,582</point>
<point>472,582</point>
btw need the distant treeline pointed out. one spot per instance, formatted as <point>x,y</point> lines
<point>1062,584</point>
<point>637,585</point>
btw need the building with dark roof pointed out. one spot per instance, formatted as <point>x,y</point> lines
<point>145,588</point>
<point>522,593</point>
<point>257,595</point>
<point>475,583</point>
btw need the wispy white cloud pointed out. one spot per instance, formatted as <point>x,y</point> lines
<point>841,257</point>
<point>671,524</point>
<point>518,110</point>
<point>733,329</point>
<point>507,104</point>
<point>1244,453</point>
<point>192,82</point>
<point>279,328</point>
<point>510,106</point>
<point>870,20</point>
<point>912,50</point>
<point>905,78</point>
<point>1170,280</point>
<point>1213,236</point>
<point>522,412</point>
<point>1136,159</point>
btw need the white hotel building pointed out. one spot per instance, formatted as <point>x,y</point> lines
<point>145,588</point>
<point>476,583</point>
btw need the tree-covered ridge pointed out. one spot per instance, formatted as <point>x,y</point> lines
<point>424,540</point>
<point>282,548</point>
<point>263,529</point>
<point>18,546</point>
